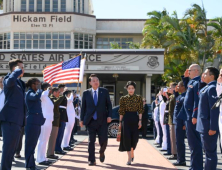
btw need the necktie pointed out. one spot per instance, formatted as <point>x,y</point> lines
<point>95,102</point>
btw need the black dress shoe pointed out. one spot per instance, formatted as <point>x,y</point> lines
<point>60,152</point>
<point>179,164</point>
<point>45,163</point>
<point>17,156</point>
<point>68,148</point>
<point>91,163</point>
<point>102,157</point>
<point>75,140</point>
<point>163,150</point>
<point>158,146</point>
<point>53,157</point>
<point>167,154</point>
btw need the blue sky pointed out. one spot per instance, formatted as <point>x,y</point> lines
<point>137,9</point>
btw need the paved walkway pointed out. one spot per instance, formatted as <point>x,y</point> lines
<point>146,158</point>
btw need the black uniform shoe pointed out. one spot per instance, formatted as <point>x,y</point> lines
<point>179,164</point>
<point>91,163</point>
<point>45,163</point>
<point>166,154</point>
<point>128,163</point>
<point>60,152</point>
<point>17,156</point>
<point>53,157</point>
<point>102,157</point>
<point>68,148</point>
<point>163,150</point>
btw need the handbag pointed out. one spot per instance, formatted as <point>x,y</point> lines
<point>118,135</point>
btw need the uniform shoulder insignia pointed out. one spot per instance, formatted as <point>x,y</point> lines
<point>191,86</point>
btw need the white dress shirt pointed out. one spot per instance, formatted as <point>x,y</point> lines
<point>47,106</point>
<point>2,99</point>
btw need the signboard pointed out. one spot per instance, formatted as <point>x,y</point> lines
<point>97,63</point>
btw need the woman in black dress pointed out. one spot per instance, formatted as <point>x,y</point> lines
<point>131,110</point>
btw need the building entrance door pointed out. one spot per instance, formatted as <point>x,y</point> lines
<point>111,89</point>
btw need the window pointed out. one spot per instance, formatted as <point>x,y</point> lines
<point>74,5</point>
<point>47,5</point>
<point>31,5</point>
<point>79,6</point>
<point>83,41</point>
<point>23,5</point>
<point>55,6</point>
<point>63,5</point>
<point>105,43</point>
<point>83,6</point>
<point>41,40</point>
<point>39,5</point>
<point>5,41</point>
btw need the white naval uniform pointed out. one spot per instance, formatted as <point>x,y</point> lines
<point>70,124</point>
<point>219,91</point>
<point>2,99</point>
<point>155,117</point>
<point>162,111</point>
<point>47,110</point>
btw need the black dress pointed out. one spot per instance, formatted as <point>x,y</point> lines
<point>130,108</point>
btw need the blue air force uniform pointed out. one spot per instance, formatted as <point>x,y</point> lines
<point>208,120</point>
<point>179,119</point>
<point>34,121</point>
<point>191,102</point>
<point>12,116</point>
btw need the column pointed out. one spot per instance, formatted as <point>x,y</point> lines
<point>35,5</point>
<point>8,7</point>
<point>72,41</point>
<point>59,5</point>
<point>69,6</point>
<point>4,6</point>
<point>27,5</point>
<point>94,41</point>
<point>148,88</point>
<point>17,6</point>
<point>51,5</point>
<point>43,5</point>
<point>11,40</point>
<point>12,6</point>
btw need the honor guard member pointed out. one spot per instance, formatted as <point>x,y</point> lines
<point>191,101</point>
<point>47,110</point>
<point>12,115</point>
<point>179,118</point>
<point>207,120</point>
<point>34,120</point>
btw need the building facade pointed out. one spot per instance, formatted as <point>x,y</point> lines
<point>44,32</point>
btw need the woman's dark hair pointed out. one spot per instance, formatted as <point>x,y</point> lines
<point>31,81</point>
<point>130,83</point>
<point>45,85</point>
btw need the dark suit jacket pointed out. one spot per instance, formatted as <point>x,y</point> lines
<point>56,102</point>
<point>103,108</point>
<point>14,107</point>
<point>208,118</point>
<point>34,108</point>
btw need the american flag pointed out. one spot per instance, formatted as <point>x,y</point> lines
<point>64,72</point>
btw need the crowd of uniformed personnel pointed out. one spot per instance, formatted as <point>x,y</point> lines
<point>191,109</point>
<point>45,114</point>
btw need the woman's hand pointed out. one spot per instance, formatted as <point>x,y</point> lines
<point>139,124</point>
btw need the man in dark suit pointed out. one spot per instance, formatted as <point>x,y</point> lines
<point>96,112</point>
<point>207,118</point>
<point>12,115</point>
<point>144,119</point>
